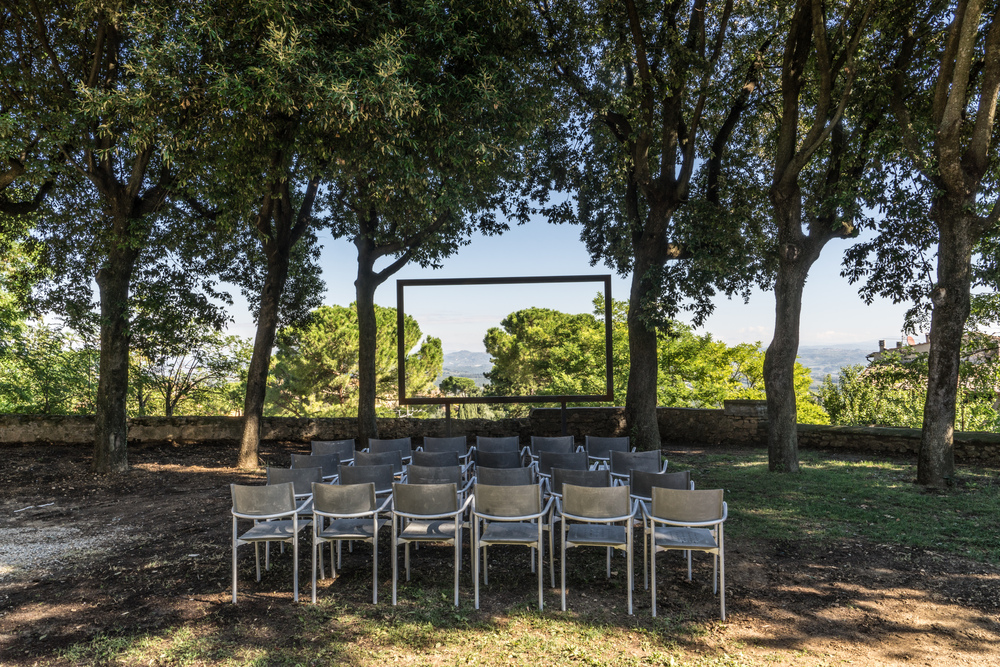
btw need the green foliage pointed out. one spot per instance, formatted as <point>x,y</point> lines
<point>541,351</point>
<point>206,376</point>
<point>892,390</point>
<point>315,369</point>
<point>459,386</point>
<point>47,371</point>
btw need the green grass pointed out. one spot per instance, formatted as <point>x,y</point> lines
<point>827,502</point>
<point>832,499</point>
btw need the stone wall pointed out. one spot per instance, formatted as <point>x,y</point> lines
<point>740,425</point>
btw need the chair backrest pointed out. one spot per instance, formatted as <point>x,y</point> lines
<point>301,478</point>
<point>425,498</point>
<point>601,447</point>
<point>344,448</point>
<point>560,443</point>
<point>506,476</point>
<point>401,445</point>
<point>393,458</point>
<point>379,475</point>
<point>624,462</point>
<point>458,444</point>
<point>347,499</point>
<point>433,474</point>
<point>498,459</point>
<point>508,501</point>
<point>435,459</point>
<point>592,478</point>
<point>263,500</point>
<point>572,460</point>
<point>596,502</point>
<point>507,443</point>
<point>643,482</point>
<point>330,463</point>
<point>687,505</point>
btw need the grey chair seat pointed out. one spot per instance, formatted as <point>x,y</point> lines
<point>509,532</point>
<point>351,529</point>
<point>596,534</point>
<point>699,539</point>
<point>271,530</point>
<point>430,531</point>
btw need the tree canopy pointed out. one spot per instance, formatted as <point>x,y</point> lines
<point>315,371</point>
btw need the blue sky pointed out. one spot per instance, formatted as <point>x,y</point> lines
<point>832,313</point>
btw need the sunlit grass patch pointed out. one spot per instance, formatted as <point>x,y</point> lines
<point>835,499</point>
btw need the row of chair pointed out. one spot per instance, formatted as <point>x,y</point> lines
<point>506,506</point>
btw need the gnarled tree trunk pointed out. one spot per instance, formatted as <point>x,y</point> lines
<point>640,397</point>
<point>779,361</point>
<point>951,299</point>
<point>260,361</point>
<point>111,424</point>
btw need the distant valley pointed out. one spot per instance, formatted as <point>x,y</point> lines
<point>467,364</point>
<point>820,359</point>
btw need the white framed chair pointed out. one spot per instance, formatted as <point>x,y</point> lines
<point>328,463</point>
<point>458,444</point>
<point>590,519</point>
<point>426,513</point>
<point>553,489</point>
<point>542,443</point>
<point>349,512</point>
<point>599,448</point>
<point>342,448</point>
<point>642,485</point>
<point>690,521</point>
<point>623,463</point>
<point>275,517</point>
<point>402,445</point>
<point>507,515</point>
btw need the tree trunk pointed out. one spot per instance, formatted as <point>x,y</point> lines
<point>779,370</point>
<point>111,424</point>
<point>640,396</point>
<point>951,299</point>
<point>365,286</point>
<point>260,361</point>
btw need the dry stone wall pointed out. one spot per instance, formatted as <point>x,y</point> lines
<point>740,425</point>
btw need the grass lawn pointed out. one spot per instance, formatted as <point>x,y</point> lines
<point>811,558</point>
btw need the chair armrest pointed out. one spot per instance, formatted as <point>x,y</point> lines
<point>588,519</point>
<point>266,517</point>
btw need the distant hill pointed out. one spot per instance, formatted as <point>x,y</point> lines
<point>467,364</point>
<point>820,359</point>
<point>829,359</point>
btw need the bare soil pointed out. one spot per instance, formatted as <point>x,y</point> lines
<point>83,555</point>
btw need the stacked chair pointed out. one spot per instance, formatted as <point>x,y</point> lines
<point>596,495</point>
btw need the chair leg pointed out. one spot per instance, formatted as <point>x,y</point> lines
<point>486,566</point>
<point>541,600</point>
<point>629,557</point>
<point>395,561</point>
<point>256,553</point>
<point>645,557</point>
<point>609,562</point>
<point>722,576</point>
<point>652,573</point>
<point>689,565</point>
<point>406,559</point>
<point>375,564</point>
<point>475,561</point>
<point>562,531</point>
<point>295,563</point>
<point>458,555</point>
<point>314,566</point>
<point>235,544</point>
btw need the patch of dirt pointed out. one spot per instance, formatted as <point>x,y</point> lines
<point>84,555</point>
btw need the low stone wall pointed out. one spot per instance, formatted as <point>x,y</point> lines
<point>739,425</point>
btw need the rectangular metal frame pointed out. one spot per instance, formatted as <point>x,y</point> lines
<point>524,280</point>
